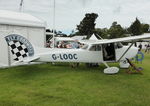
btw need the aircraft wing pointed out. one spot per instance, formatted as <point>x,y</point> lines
<point>87,41</point>
<point>125,39</point>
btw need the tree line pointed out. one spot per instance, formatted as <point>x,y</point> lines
<point>87,27</point>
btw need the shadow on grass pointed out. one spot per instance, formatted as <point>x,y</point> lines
<point>11,103</point>
<point>39,70</point>
<point>59,70</point>
<point>27,72</point>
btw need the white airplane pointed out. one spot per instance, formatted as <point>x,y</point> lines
<point>101,51</point>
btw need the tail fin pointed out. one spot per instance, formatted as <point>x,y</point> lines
<point>20,47</point>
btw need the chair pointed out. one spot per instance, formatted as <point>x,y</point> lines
<point>133,69</point>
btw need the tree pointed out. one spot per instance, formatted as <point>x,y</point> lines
<point>102,32</point>
<point>87,25</point>
<point>145,28</point>
<point>136,28</point>
<point>116,31</point>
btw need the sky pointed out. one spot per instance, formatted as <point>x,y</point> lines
<point>69,13</point>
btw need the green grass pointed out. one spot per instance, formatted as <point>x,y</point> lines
<point>61,85</point>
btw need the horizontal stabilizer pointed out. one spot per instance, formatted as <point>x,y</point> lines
<point>28,59</point>
<point>31,59</point>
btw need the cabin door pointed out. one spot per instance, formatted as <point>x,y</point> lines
<point>109,52</point>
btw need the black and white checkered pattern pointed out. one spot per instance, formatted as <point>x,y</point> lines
<point>18,49</point>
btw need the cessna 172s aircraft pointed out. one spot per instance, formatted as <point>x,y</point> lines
<point>101,51</point>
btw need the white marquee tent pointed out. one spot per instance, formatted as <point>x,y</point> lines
<point>93,37</point>
<point>22,24</point>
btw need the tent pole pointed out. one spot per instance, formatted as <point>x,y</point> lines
<point>21,5</point>
<point>54,24</point>
<point>9,58</point>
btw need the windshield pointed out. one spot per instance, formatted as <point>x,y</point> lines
<point>85,47</point>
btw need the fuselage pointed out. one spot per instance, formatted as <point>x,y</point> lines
<point>90,54</point>
<point>100,51</point>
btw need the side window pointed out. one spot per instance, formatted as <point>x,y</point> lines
<point>95,48</point>
<point>98,47</point>
<point>92,48</point>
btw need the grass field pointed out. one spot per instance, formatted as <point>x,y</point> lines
<point>61,85</point>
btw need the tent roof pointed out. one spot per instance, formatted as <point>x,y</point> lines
<point>18,18</point>
<point>93,37</point>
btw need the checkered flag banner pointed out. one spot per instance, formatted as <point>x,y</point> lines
<point>20,47</point>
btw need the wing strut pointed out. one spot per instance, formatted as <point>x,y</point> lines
<point>106,64</point>
<point>126,51</point>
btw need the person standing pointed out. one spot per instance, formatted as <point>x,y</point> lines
<point>140,47</point>
<point>148,48</point>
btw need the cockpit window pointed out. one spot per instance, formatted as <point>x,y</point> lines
<point>95,48</point>
<point>118,45</point>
